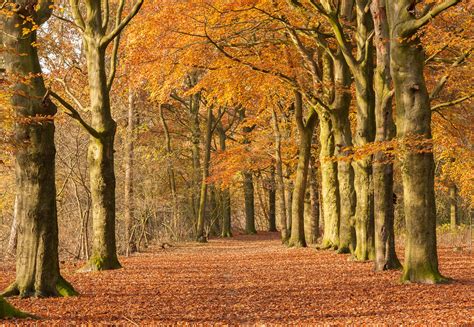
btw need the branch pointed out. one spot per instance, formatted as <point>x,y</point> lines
<point>73,113</point>
<point>106,17</point>
<point>410,27</point>
<point>120,26</point>
<point>451,103</point>
<point>114,58</point>
<point>76,13</point>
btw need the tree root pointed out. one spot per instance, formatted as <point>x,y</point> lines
<point>8,311</point>
<point>63,289</point>
<point>99,264</point>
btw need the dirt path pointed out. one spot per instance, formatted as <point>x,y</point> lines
<point>254,280</point>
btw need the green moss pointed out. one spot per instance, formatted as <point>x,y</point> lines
<point>8,311</point>
<point>98,263</point>
<point>65,289</point>
<point>296,243</point>
<point>423,274</point>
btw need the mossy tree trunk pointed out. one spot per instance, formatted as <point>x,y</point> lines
<point>385,255</point>
<point>306,130</point>
<point>329,184</point>
<point>98,32</point>
<point>414,125</point>
<point>37,264</point>
<point>343,141</point>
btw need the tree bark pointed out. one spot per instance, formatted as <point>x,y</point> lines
<point>311,216</point>
<point>130,245</point>
<point>329,184</point>
<point>37,263</point>
<point>200,237</point>
<point>225,194</point>
<point>414,125</point>
<point>385,255</point>
<point>272,202</point>
<point>453,206</point>
<point>249,203</point>
<point>280,181</point>
<point>306,130</point>
<point>343,139</point>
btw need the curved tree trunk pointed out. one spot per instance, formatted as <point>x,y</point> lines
<point>37,264</point>
<point>385,255</point>
<point>413,126</point>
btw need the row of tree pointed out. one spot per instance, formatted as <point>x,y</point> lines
<point>249,74</point>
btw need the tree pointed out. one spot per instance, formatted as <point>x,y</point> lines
<point>306,130</point>
<point>414,132</point>
<point>92,18</point>
<point>385,255</point>
<point>37,263</point>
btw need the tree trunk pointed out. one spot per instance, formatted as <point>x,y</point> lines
<point>249,203</point>
<point>196,150</point>
<point>280,181</point>
<point>170,169</point>
<point>453,206</point>
<point>200,237</point>
<point>272,202</point>
<point>225,194</point>
<point>329,184</point>
<point>385,255</point>
<point>37,263</point>
<point>343,140</point>
<point>101,162</point>
<point>365,133</point>
<point>311,216</point>
<point>130,245</point>
<point>306,130</point>
<point>414,132</point>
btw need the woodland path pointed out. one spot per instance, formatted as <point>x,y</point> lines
<point>254,280</point>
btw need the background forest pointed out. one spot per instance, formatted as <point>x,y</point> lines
<point>336,123</point>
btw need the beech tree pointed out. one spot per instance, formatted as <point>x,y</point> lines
<point>94,22</point>
<point>37,263</point>
<point>8,311</point>
<point>414,130</point>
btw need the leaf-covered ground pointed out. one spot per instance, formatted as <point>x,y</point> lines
<point>253,280</point>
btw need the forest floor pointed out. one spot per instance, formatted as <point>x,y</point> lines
<point>253,280</point>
